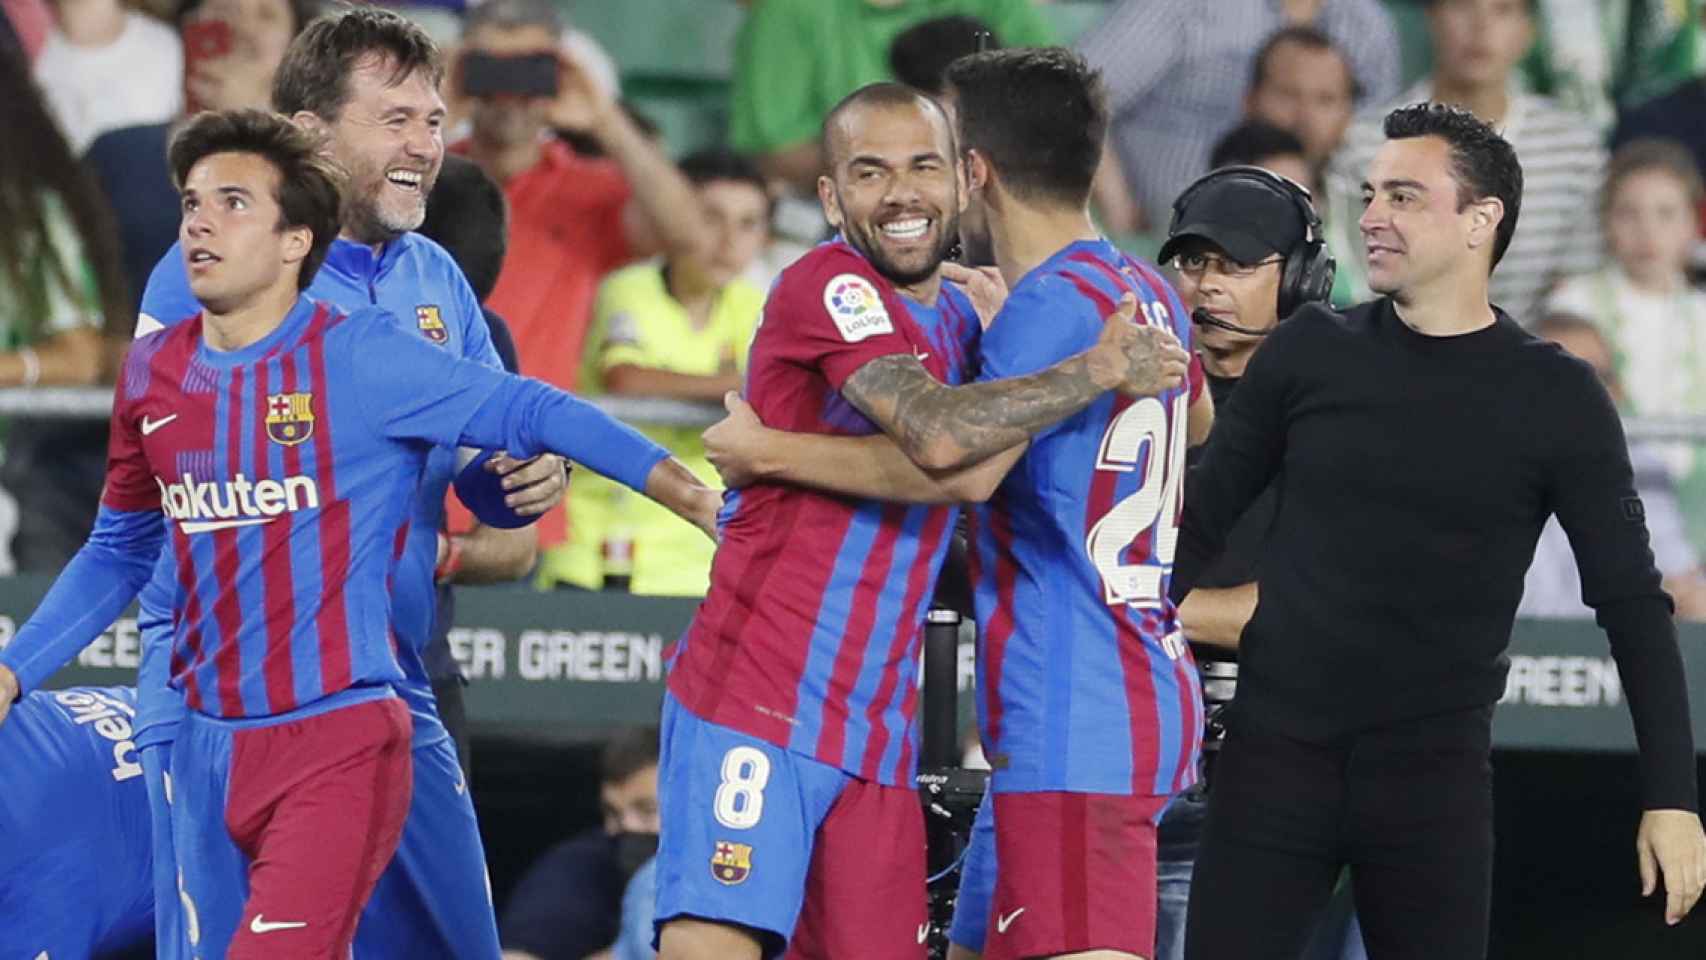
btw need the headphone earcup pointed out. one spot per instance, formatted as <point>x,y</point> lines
<point>1318,274</point>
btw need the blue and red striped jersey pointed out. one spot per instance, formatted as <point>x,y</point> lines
<point>808,637</point>
<point>423,291</point>
<point>286,473</point>
<point>1085,682</point>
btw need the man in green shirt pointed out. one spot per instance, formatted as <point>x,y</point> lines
<point>797,58</point>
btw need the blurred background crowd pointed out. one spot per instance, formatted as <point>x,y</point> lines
<point>648,166</point>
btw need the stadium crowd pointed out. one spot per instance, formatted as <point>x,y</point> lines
<point>621,229</point>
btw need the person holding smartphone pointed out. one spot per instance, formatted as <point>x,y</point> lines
<point>573,218</point>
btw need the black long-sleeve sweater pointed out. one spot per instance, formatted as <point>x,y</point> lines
<point>1414,476</point>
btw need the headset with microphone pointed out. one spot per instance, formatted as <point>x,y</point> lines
<point>1307,273</point>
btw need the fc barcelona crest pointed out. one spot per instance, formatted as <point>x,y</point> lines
<point>290,417</point>
<point>732,862</point>
<point>431,324</point>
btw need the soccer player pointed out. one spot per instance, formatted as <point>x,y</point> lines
<point>367,80</point>
<point>284,468</point>
<point>789,815</point>
<point>75,864</point>
<point>1425,438</point>
<point>1087,694</point>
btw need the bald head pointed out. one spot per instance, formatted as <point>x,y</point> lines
<point>840,127</point>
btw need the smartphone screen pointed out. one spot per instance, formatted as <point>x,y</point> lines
<point>530,75</point>
<point>203,40</point>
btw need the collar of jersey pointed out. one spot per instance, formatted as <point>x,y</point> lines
<point>1099,248</point>
<point>358,261</point>
<point>295,322</point>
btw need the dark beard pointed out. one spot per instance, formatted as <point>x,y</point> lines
<point>947,237</point>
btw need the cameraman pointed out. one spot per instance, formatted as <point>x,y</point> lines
<point>1233,236</point>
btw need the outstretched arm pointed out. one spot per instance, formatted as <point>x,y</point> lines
<point>89,594</point>
<point>944,428</point>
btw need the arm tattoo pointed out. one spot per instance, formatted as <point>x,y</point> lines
<point>942,427</point>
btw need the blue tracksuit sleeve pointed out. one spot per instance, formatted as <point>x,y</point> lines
<point>423,393</point>
<point>90,593</point>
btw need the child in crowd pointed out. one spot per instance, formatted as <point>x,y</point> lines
<point>1642,302</point>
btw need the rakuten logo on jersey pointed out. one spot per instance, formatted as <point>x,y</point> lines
<point>200,507</point>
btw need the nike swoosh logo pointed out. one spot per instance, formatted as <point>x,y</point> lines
<point>207,526</point>
<point>1002,923</point>
<point>149,426</point>
<point>258,925</point>
<point>461,786</point>
<point>923,932</point>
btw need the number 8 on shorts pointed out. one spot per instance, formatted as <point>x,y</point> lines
<point>740,797</point>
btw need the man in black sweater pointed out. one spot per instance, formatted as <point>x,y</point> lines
<point>1418,444</point>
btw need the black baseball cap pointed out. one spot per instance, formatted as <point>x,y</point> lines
<point>1247,217</point>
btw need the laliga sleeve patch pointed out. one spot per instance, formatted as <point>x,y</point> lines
<point>856,308</point>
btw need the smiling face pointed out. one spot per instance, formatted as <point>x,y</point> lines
<point>389,139</point>
<point>234,245</point>
<point>1413,226</point>
<point>894,187</point>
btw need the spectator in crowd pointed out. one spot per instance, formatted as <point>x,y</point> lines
<point>1254,143</point>
<point>232,49</point>
<point>794,59</point>
<point>1594,54</point>
<point>573,219</point>
<point>569,904</point>
<point>60,290</point>
<point>1553,586</point>
<point>466,215</point>
<point>103,67</point>
<point>1477,44</point>
<point>920,54</point>
<point>1643,304</point>
<point>1671,115</point>
<point>1302,82</point>
<point>677,329</point>
<point>1176,72</point>
<point>1654,321</point>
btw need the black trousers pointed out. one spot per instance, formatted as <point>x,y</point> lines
<point>1408,808</point>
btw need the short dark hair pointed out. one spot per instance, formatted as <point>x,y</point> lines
<point>1309,38</point>
<point>301,12</point>
<point>467,216</point>
<point>1251,142</point>
<point>314,75</point>
<point>1037,114</point>
<point>709,166</point>
<point>920,54</point>
<point>514,14</point>
<point>630,751</point>
<point>1483,163</point>
<point>882,94</point>
<point>309,185</point>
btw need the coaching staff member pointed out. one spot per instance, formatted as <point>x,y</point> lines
<point>1419,443</point>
